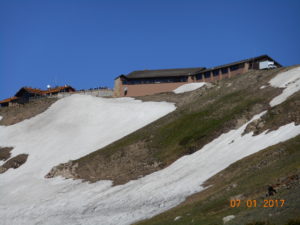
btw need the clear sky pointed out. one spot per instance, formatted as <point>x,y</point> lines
<point>87,43</point>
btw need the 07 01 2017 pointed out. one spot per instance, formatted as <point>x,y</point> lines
<point>252,203</point>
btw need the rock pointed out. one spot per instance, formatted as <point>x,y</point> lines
<point>66,170</point>
<point>2,169</point>
<point>228,218</point>
<point>237,197</point>
<point>177,218</point>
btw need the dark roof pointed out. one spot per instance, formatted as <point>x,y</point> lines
<point>164,73</point>
<point>59,89</point>
<point>187,71</point>
<point>243,61</point>
<point>8,100</point>
<point>43,92</point>
<point>29,90</point>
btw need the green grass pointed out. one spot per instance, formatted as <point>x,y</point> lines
<point>192,130</point>
<point>197,123</point>
<point>185,131</point>
<point>252,176</point>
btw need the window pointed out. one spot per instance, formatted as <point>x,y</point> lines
<point>234,67</point>
<point>199,76</point>
<point>207,74</point>
<point>183,79</point>
<point>216,73</point>
<point>156,80</point>
<point>224,70</point>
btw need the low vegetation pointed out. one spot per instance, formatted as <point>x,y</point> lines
<point>201,116</point>
<point>247,179</point>
<point>16,114</point>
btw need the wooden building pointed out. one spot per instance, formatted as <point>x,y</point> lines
<point>9,102</point>
<point>25,94</point>
<point>147,82</point>
<point>55,91</point>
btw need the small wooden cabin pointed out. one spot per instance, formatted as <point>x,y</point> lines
<point>25,94</point>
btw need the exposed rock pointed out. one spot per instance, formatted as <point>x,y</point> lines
<point>228,218</point>
<point>238,197</point>
<point>240,122</point>
<point>254,127</point>
<point>119,167</point>
<point>67,170</point>
<point>5,153</point>
<point>14,162</point>
<point>177,218</point>
<point>280,115</point>
<point>2,169</point>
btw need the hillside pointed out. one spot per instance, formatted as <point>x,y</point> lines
<point>227,140</point>
<point>201,116</point>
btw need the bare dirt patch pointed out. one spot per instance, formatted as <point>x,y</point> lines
<point>132,162</point>
<point>14,162</point>
<point>201,116</point>
<point>15,114</point>
<point>285,113</point>
<point>246,179</point>
<point>5,153</point>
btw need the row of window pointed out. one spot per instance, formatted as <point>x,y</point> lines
<point>218,71</point>
<point>156,80</point>
<point>199,76</point>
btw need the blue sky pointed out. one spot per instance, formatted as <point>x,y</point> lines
<point>87,43</point>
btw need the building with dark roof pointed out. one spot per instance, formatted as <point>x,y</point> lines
<point>26,93</point>
<point>9,101</point>
<point>147,82</point>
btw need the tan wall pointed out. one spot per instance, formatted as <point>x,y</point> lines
<point>118,87</point>
<point>150,89</point>
<point>236,72</point>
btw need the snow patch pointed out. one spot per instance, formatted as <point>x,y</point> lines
<point>262,87</point>
<point>188,87</point>
<point>228,218</point>
<point>290,81</point>
<point>77,125</point>
<point>1,117</point>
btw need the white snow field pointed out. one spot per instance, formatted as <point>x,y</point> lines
<point>188,87</point>
<point>290,81</point>
<point>70,129</point>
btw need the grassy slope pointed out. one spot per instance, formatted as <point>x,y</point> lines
<point>201,116</point>
<point>278,165</point>
<point>248,177</point>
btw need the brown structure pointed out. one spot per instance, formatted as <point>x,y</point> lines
<point>147,82</point>
<point>9,102</point>
<point>26,93</point>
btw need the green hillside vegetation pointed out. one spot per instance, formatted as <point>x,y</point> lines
<point>200,117</point>
<point>247,179</point>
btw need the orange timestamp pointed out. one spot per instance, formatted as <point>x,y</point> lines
<point>252,203</point>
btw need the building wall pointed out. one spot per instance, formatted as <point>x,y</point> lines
<point>118,87</point>
<point>96,93</point>
<point>146,89</point>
